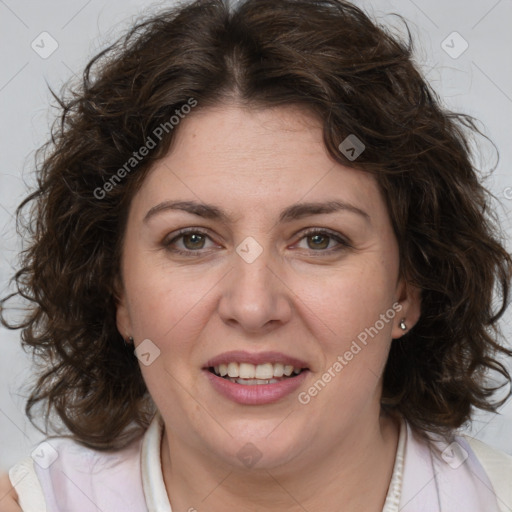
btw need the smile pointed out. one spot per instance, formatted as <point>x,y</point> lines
<point>254,391</point>
<point>250,374</point>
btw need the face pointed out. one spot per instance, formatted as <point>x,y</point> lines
<point>288,259</point>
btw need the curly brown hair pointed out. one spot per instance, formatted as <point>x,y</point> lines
<point>356,78</point>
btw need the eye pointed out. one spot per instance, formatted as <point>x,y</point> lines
<point>321,240</point>
<point>192,240</point>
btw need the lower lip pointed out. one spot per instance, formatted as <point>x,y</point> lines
<point>257,394</point>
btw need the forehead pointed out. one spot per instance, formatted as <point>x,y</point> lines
<point>248,159</point>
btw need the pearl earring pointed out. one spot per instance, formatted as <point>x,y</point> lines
<point>402,325</point>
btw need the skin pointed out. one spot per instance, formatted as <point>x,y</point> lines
<point>8,496</point>
<point>336,452</point>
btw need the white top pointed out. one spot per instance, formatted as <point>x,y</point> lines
<point>63,476</point>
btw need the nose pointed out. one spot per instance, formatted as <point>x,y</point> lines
<point>255,296</point>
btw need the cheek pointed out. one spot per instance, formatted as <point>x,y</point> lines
<point>353,318</point>
<point>351,300</point>
<point>163,300</point>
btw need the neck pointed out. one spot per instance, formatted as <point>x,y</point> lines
<point>352,476</point>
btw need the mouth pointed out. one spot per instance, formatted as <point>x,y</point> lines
<point>249,374</point>
<point>251,378</point>
<point>256,384</point>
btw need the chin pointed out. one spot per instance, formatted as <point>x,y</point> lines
<point>258,450</point>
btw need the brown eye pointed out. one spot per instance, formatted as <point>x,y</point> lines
<point>322,241</point>
<point>193,241</point>
<point>318,241</point>
<point>189,242</point>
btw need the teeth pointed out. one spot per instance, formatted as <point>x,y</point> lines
<point>248,371</point>
<point>288,369</point>
<point>278,370</point>
<point>264,371</point>
<point>233,369</point>
<point>253,382</point>
<point>259,374</point>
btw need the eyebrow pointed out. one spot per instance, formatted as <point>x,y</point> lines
<point>294,212</point>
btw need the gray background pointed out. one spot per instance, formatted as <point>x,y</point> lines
<point>477,82</point>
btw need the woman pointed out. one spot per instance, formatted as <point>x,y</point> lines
<point>262,276</point>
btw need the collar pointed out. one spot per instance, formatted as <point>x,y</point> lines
<point>151,467</point>
<point>437,476</point>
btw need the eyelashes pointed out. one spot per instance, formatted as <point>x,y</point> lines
<point>319,234</point>
<point>196,239</point>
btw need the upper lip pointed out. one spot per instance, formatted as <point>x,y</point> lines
<point>241,356</point>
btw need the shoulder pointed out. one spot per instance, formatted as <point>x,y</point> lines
<point>60,472</point>
<point>497,465</point>
<point>490,455</point>
<point>8,495</point>
<point>25,481</point>
<point>456,470</point>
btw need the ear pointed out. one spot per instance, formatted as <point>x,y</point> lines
<point>408,309</point>
<point>123,321</point>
